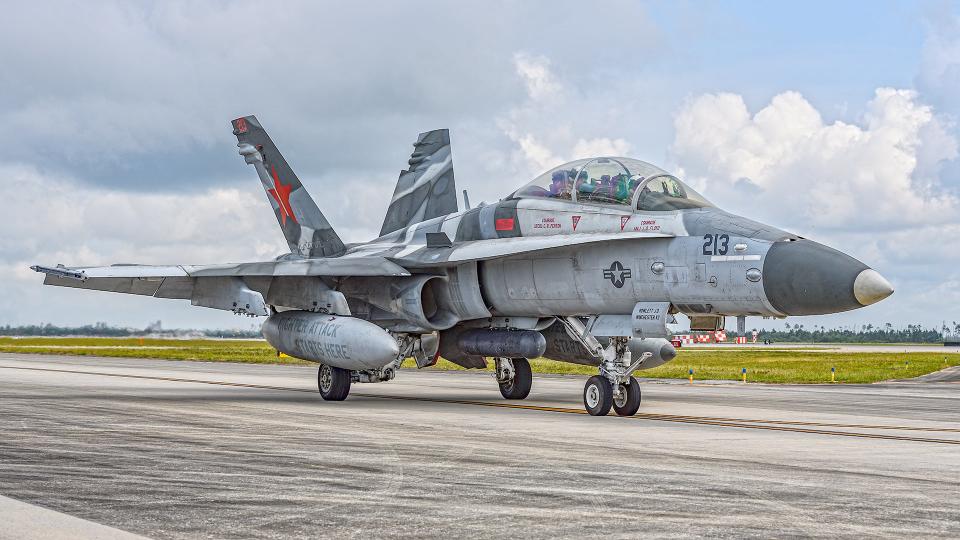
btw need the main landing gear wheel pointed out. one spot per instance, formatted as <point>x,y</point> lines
<point>333,382</point>
<point>628,402</point>
<point>598,395</point>
<point>518,387</point>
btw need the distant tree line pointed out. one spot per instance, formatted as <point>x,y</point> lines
<point>885,333</point>
<point>796,333</point>
<point>101,329</point>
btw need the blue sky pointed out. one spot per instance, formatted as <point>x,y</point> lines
<point>117,146</point>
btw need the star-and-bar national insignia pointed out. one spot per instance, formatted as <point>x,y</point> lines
<point>617,274</point>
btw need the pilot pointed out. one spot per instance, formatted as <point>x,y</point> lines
<point>560,185</point>
<point>620,188</point>
<point>586,186</point>
<point>556,184</point>
<point>645,192</point>
<point>606,186</point>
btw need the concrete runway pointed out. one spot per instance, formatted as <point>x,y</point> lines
<point>210,450</point>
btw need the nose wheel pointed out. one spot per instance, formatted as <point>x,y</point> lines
<point>627,401</point>
<point>514,377</point>
<point>598,395</point>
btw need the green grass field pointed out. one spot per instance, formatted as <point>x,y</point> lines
<point>769,365</point>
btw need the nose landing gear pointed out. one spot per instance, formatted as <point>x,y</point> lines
<point>615,387</point>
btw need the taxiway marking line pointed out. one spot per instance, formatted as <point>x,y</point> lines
<point>771,425</point>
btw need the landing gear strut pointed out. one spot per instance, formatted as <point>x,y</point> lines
<point>514,377</point>
<point>615,386</point>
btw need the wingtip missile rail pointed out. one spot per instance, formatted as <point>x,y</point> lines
<point>60,272</point>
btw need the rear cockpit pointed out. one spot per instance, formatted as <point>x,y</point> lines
<point>613,181</point>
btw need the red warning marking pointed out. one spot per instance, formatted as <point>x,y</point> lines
<point>504,224</point>
<point>623,221</point>
<point>576,220</point>
<point>241,124</point>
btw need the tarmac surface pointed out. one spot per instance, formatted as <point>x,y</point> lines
<point>170,449</point>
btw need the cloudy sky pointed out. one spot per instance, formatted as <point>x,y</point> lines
<point>837,121</point>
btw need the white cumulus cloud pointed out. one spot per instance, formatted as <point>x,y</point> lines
<point>879,172</point>
<point>535,71</point>
<point>559,122</point>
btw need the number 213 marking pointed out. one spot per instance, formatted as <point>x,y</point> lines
<point>716,244</point>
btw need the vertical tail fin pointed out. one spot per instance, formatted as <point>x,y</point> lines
<point>427,190</point>
<point>307,231</point>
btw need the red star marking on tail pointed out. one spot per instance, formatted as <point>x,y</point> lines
<point>281,193</point>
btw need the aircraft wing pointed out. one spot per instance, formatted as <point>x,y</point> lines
<point>424,255</point>
<point>249,288</point>
<point>367,266</point>
<point>241,287</point>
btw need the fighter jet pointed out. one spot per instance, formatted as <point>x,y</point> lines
<point>587,263</point>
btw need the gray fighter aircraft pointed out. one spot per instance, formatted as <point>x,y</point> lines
<point>587,264</point>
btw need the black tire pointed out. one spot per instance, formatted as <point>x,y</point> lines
<point>598,396</point>
<point>519,387</point>
<point>333,382</point>
<point>629,404</point>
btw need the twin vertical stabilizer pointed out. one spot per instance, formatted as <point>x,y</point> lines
<point>307,231</point>
<point>427,190</point>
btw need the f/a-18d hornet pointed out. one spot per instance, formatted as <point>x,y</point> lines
<point>587,263</point>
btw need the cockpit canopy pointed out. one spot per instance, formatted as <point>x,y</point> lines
<point>614,181</point>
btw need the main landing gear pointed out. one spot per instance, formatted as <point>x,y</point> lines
<point>333,382</point>
<point>615,387</point>
<point>514,377</point>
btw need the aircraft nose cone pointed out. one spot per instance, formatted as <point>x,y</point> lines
<point>870,287</point>
<point>807,278</point>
